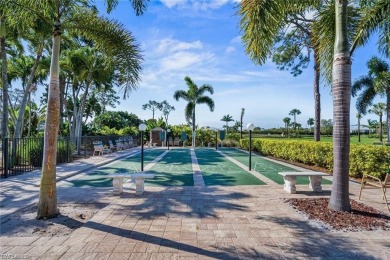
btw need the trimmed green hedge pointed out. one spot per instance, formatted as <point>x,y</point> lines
<point>368,159</point>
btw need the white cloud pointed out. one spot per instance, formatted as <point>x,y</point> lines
<point>230,49</point>
<point>198,4</point>
<point>170,45</point>
<point>183,60</point>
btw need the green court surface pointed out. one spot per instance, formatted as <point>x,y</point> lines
<point>266,167</point>
<point>174,169</point>
<point>128,164</point>
<point>217,170</point>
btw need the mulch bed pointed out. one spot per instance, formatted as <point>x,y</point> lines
<point>362,217</point>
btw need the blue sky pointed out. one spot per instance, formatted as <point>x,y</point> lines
<point>201,39</point>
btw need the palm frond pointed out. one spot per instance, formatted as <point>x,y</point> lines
<point>181,94</point>
<point>189,111</point>
<point>139,6</point>
<point>365,100</point>
<point>205,88</point>
<point>206,100</point>
<point>115,41</point>
<point>362,82</point>
<point>376,16</point>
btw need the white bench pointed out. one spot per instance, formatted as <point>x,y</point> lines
<point>290,179</point>
<point>138,178</point>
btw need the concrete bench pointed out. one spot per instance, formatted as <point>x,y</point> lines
<point>290,179</point>
<point>138,178</point>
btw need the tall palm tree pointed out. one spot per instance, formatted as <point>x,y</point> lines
<point>376,83</point>
<point>227,118</point>
<point>194,95</point>
<point>379,109</point>
<point>310,122</point>
<point>294,112</point>
<point>241,120</point>
<point>359,117</point>
<point>341,89</point>
<point>108,36</point>
<point>287,122</point>
<point>282,30</point>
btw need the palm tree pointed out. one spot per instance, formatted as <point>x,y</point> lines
<point>378,109</point>
<point>376,83</point>
<point>310,122</point>
<point>294,112</point>
<point>341,89</point>
<point>359,117</point>
<point>287,122</point>
<point>227,118</point>
<point>280,29</point>
<point>194,95</point>
<point>109,36</point>
<point>241,120</point>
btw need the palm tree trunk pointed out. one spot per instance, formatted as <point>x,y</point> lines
<point>4,121</point>
<point>388,114</point>
<point>380,128</point>
<point>47,206</point>
<point>341,88</point>
<point>193,128</point>
<point>23,104</point>
<point>317,99</point>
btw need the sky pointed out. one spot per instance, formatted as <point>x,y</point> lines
<point>201,39</point>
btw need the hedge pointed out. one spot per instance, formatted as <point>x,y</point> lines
<point>364,159</point>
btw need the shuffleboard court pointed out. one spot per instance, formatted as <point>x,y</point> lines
<point>266,167</point>
<point>174,169</point>
<point>129,165</point>
<point>217,170</point>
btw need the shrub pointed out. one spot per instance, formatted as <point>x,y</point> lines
<point>364,159</point>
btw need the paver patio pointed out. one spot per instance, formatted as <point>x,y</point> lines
<point>219,222</point>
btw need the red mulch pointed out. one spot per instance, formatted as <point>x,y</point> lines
<point>362,217</point>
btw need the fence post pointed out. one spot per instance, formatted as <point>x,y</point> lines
<point>5,157</point>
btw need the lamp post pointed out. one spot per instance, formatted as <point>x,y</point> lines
<point>216,139</point>
<point>250,127</point>
<point>142,128</point>
<point>168,131</point>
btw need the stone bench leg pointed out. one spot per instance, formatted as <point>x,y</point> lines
<point>315,183</point>
<point>139,186</point>
<point>118,185</point>
<point>289,184</point>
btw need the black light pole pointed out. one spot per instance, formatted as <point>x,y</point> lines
<point>250,127</point>
<point>168,131</point>
<point>142,128</point>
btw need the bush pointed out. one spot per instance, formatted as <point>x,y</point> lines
<point>364,159</point>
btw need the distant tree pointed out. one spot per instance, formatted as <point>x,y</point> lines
<point>236,126</point>
<point>194,95</point>
<point>327,126</point>
<point>241,120</point>
<point>310,122</point>
<point>359,117</point>
<point>227,118</point>
<point>287,122</point>
<point>153,106</point>
<point>376,83</point>
<point>379,109</point>
<point>166,109</point>
<point>117,120</point>
<point>294,112</point>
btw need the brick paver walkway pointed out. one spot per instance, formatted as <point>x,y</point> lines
<point>200,222</point>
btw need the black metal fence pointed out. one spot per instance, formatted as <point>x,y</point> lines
<point>19,155</point>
